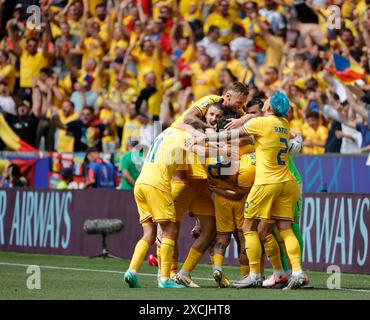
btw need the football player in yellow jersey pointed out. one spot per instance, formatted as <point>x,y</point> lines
<point>275,192</point>
<point>155,204</point>
<point>271,241</point>
<point>190,193</point>
<point>193,194</point>
<point>234,99</point>
<point>230,197</point>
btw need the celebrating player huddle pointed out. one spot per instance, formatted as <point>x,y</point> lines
<point>241,158</point>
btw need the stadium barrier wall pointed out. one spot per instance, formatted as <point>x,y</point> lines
<point>331,172</point>
<point>335,227</point>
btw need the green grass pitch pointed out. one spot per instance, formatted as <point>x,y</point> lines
<point>67,277</point>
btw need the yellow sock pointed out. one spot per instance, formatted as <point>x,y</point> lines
<point>292,248</point>
<point>167,249</point>
<point>159,256</point>
<point>140,252</point>
<point>282,245</point>
<point>174,266</point>
<point>254,251</point>
<point>244,270</point>
<point>192,260</point>
<point>272,252</point>
<point>218,260</point>
<point>263,262</point>
<point>212,258</point>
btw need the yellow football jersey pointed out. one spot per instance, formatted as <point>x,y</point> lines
<point>247,170</point>
<point>201,104</point>
<point>165,155</point>
<point>271,140</point>
<point>245,149</point>
<point>197,170</point>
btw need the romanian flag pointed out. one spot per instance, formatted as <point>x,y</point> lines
<point>11,139</point>
<point>346,70</point>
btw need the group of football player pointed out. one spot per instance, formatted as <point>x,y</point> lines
<point>227,162</point>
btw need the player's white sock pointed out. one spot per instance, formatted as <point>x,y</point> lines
<point>184,273</point>
<point>279,273</point>
<point>132,271</point>
<point>163,279</point>
<point>297,273</point>
<point>254,276</point>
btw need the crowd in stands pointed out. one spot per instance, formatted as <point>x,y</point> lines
<point>100,74</point>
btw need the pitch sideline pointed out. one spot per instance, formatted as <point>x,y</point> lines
<point>141,274</point>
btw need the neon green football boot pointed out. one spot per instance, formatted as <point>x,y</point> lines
<point>131,279</point>
<point>169,284</point>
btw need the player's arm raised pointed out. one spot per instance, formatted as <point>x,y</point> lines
<point>193,118</point>
<point>236,123</point>
<point>190,129</point>
<point>236,193</point>
<point>217,136</point>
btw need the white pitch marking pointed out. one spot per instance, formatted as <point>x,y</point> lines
<point>141,274</point>
<point>88,270</point>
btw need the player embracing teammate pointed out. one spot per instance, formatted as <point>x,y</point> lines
<point>270,202</point>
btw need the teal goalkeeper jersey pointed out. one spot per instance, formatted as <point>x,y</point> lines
<point>294,171</point>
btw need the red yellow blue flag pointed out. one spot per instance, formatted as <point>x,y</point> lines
<point>346,70</point>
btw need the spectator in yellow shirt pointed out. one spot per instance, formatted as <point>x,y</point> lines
<point>7,71</point>
<point>251,28</point>
<point>117,43</point>
<point>92,44</point>
<point>31,59</point>
<point>148,58</point>
<point>268,82</point>
<point>227,61</point>
<point>76,19</point>
<point>295,122</point>
<point>64,142</point>
<point>221,19</point>
<point>132,126</point>
<point>312,70</point>
<point>314,134</point>
<point>204,78</point>
<point>104,20</point>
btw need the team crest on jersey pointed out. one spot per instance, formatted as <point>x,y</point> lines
<point>246,207</point>
<point>204,104</point>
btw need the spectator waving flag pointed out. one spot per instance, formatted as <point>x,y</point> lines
<point>11,139</point>
<point>346,70</point>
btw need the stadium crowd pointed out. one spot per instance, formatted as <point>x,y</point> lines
<point>100,74</point>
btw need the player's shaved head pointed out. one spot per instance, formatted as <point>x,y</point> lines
<point>237,87</point>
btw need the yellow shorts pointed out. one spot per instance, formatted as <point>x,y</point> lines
<point>154,205</point>
<point>193,196</point>
<point>272,202</point>
<point>229,214</point>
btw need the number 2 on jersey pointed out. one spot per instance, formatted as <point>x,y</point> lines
<point>282,151</point>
